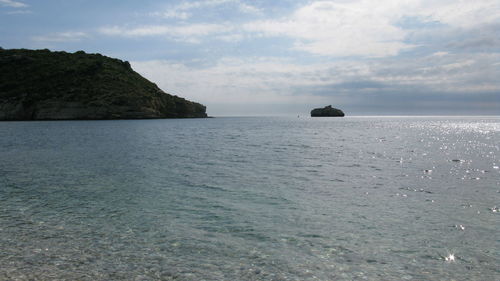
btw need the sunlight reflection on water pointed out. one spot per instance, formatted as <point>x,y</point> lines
<point>250,199</point>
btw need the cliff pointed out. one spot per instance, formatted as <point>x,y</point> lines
<point>327,111</point>
<point>45,85</point>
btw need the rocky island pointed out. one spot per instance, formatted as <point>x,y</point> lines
<point>45,85</point>
<point>327,111</point>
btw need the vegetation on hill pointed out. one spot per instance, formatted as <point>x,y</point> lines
<point>327,111</point>
<point>40,84</point>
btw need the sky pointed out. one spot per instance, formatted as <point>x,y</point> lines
<point>284,57</point>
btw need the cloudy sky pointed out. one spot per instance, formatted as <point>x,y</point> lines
<point>243,57</point>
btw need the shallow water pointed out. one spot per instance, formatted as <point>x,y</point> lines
<point>387,198</point>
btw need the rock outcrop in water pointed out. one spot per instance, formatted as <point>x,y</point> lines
<point>327,111</point>
<point>45,85</point>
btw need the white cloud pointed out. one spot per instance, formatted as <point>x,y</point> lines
<point>338,29</point>
<point>13,4</point>
<point>61,37</point>
<point>172,14</point>
<point>370,28</point>
<point>361,28</point>
<point>452,73</point>
<point>231,38</point>
<point>248,9</point>
<point>458,65</point>
<point>188,30</point>
<point>200,4</point>
<point>440,54</point>
<point>185,10</point>
<point>255,81</point>
<point>232,80</point>
<point>186,33</point>
<point>341,29</point>
<point>464,14</point>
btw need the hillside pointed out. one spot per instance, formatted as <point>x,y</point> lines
<point>45,85</point>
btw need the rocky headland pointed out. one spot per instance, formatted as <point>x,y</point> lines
<point>327,111</point>
<point>45,85</point>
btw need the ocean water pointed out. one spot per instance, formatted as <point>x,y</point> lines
<point>355,198</point>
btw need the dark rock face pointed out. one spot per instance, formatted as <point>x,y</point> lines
<point>327,111</point>
<point>45,85</point>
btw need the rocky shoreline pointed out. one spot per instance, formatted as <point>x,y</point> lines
<point>327,111</point>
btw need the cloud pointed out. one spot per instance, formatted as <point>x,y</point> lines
<point>337,29</point>
<point>358,28</point>
<point>231,38</point>
<point>485,42</point>
<point>13,4</point>
<point>185,10</point>
<point>173,14</point>
<point>61,37</point>
<point>450,73</point>
<point>440,80</point>
<point>372,28</point>
<point>201,4</point>
<point>151,30</point>
<point>440,54</point>
<point>464,14</point>
<point>452,55</point>
<point>231,80</point>
<point>186,33</point>
<point>248,9</point>
<point>358,85</point>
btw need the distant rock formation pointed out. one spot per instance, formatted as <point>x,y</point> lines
<point>45,85</point>
<point>327,111</point>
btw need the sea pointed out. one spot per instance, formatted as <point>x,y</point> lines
<point>251,198</point>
